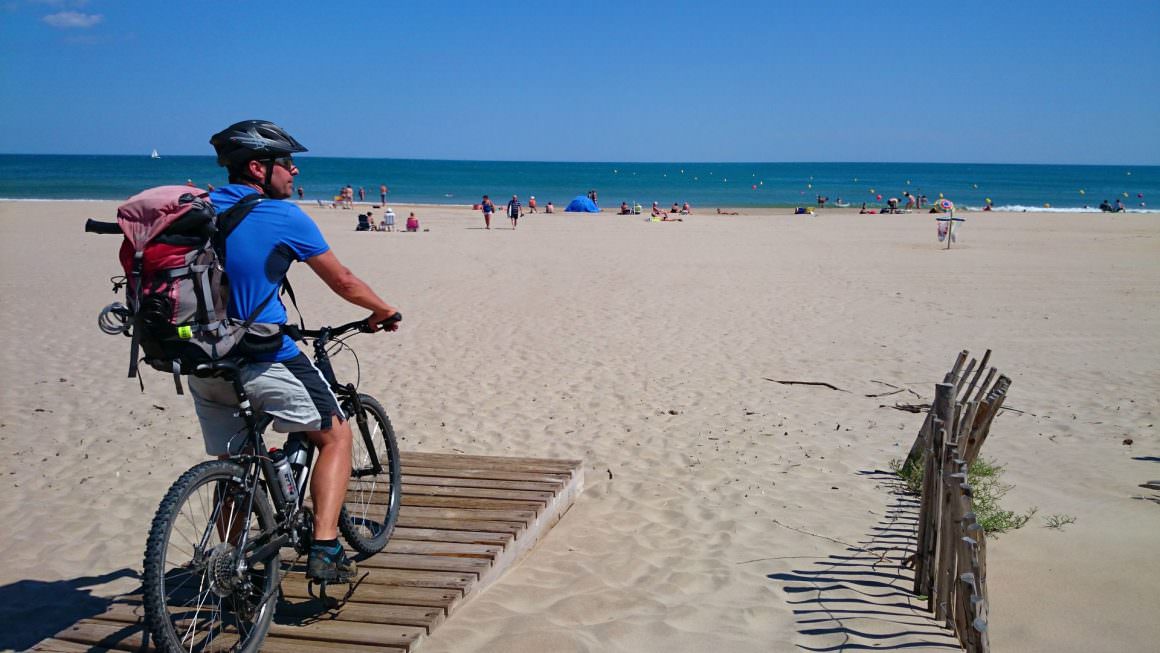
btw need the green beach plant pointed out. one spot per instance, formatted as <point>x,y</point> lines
<point>984,477</point>
<point>1058,521</point>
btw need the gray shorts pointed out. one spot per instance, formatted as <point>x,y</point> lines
<point>293,393</point>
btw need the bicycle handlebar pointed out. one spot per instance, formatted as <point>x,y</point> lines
<point>98,227</point>
<point>360,325</point>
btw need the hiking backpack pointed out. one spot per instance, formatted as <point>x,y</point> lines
<point>176,289</point>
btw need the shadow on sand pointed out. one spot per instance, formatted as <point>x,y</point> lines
<point>862,599</point>
<point>32,610</point>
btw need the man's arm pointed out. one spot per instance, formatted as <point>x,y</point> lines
<point>345,284</point>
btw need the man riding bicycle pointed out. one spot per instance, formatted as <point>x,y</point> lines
<point>284,385</point>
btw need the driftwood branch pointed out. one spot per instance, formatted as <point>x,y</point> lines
<point>896,387</point>
<point>909,408</point>
<point>821,383</point>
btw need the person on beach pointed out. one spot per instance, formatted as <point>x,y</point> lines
<point>532,204</point>
<point>720,212</point>
<point>657,212</point>
<point>301,192</point>
<point>383,194</point>
<point>389,220</point>
<point>362,194</point>
<point>348,197</point>
<point>514,210</point>
<point>549,208</point>
<point>285,383</point>
<point>685,210</point>
<point>412,222</point>
<point>676,208</point>
<point>488,208</point>
<point>1120,206</point>
<point>624,210</point>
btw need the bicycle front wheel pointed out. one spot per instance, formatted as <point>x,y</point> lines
<point>372,499</point>
<point>200,593</point>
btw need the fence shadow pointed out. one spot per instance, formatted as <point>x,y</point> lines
<point>32,610</point>
<point>861,599</point>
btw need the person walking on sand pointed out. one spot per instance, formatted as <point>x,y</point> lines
<point>383,194</point>
<point>532,204</point>
<point>514,210</point>
<point>284,383</point>
<point>488,208</point>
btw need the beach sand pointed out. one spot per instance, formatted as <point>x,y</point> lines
<point>644,349</point>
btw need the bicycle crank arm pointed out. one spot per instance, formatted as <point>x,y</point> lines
<point>267,550</point>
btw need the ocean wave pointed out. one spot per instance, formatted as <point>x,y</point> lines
<point>1020,208</point>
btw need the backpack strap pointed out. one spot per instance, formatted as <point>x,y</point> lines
<point>229,220</point>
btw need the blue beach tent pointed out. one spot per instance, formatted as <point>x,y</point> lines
<point>582,204</point>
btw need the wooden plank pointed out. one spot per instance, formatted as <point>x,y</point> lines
<point>309,608</point>
<point>284,644</point>
<point>403,534</point>
<point>455,460</point>
<point>53,645</point>
<point>351,632</point>
<point>536,486</point>
<point>426,563</point>
<point>467,525</point>
<point>489,474</point>
<point>468,514</point>
<point>416,578</point>
<point>473,503</point>
<point>442,548</point>
<point>104,634</point>
<point>295,586</point>
<point>507,493</point>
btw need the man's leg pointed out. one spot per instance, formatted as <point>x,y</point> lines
<point>330,477</point>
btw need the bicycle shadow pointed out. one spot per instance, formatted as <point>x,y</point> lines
<point>34,610</point>
<point>862,599</point>
<point>319,604</point>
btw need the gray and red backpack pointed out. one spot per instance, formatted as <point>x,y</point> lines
<point>176,289</point>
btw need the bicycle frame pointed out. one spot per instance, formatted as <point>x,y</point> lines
<point>255,463</point>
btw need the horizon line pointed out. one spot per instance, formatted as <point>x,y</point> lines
<point>610,162</point>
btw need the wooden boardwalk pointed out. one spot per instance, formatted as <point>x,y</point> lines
<point>464,521</point>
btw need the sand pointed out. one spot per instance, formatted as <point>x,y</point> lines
<point>643,349</point>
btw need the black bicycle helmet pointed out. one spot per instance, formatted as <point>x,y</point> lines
<point>253,139</point>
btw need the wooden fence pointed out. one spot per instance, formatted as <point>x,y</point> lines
<point>950,560</point>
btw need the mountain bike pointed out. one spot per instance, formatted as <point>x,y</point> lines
<point>213,563</point>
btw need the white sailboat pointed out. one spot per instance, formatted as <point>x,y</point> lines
<point>155,155</point>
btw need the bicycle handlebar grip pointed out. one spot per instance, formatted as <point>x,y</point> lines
<point>98,227</point>
<point>397,317</point>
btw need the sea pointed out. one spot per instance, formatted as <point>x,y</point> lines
<point>1008,187</point>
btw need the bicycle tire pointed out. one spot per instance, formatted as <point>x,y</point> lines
<point>191,596</point>
<point>372,502</point>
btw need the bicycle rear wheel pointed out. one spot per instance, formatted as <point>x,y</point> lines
<point>372,500</point>
<point>199,595</point>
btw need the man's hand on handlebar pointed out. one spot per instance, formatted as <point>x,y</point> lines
<point>386,320</point>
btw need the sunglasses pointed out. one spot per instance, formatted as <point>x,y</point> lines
<point>286,162</point>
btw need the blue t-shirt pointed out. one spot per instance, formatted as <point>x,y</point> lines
<point>259,253</point>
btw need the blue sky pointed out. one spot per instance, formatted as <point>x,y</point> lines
<point>1015,81</point>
